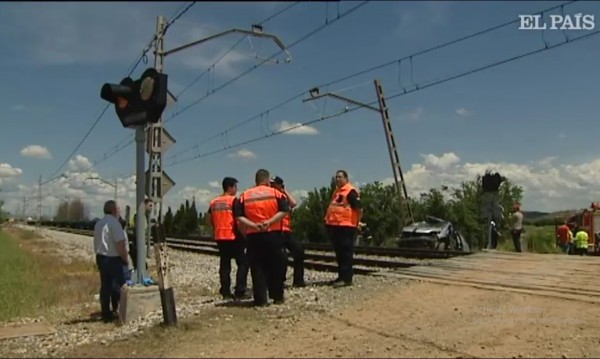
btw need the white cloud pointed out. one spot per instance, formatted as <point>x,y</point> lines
<point>463,112</point>
<point>414,115</point>
<point>300,194</point>
<point>548,185</point>
<point>36,151</point>
<point>79,163</point>
<point>443,162</point>
<point>243,153</point>
<point>6,170</point>
<point>214,184</point>
<point>298,130</point>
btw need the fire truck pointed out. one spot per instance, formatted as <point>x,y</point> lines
<point>588,218</point>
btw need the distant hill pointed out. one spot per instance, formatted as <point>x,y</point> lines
<point>536,216</point>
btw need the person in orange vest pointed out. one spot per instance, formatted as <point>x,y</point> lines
<point>342,219</point>
<point>291,242</point>
<point>261,209</point>
<point>229,240</point>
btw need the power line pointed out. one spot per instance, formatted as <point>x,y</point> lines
<point>403,93</point>
<point>208,69</point>
<point>143,58</point>
<point>363,72</point>
<point>303,38</point>
<point>229,82</point>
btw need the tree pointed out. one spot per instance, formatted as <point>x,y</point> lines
<point>178,220</point>
<point>74,210</point>
<point>168,221</point>
<point>191,223</point>
<point>383,211</point>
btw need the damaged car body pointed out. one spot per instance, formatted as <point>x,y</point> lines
<point>432,233</point>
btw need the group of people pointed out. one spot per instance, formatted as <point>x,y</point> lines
<point>256,229</point>
<point>572,238</point>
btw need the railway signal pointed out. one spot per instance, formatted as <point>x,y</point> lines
<point>138,102</point>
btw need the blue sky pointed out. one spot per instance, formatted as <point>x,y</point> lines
<point>534,119</point>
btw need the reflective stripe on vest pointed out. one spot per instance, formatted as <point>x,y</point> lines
<point>221,209</point>
<point>340,213</point>
<point>260,204</point>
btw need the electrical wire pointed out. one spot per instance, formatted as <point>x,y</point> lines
<point>143,57</point>
<point>197,78</point>
<point>303,38</point>
<point>363,72</point>
<point>403,93</point>
<point>248,71</point>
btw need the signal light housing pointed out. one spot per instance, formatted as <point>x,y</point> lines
<point>490,182</point>
<point>138,102</point>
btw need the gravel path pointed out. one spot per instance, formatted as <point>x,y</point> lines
<point>196,284</point>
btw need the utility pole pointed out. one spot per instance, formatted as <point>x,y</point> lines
<point>39,209</point>
<point>23,209</point>
<point>155,189</point>
<point>392,149</point>
<point>389,135</point>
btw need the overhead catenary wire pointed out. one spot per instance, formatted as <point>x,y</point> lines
<point>212,66</point>
<point>396,95</point>
<point>142,57</point>
<point>396,61</point>
<point>256,66</point>
<point>303,38</point>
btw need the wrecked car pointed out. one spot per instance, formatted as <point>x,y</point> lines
<point>432,233</point>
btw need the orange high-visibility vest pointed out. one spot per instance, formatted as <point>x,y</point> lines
<point>260,204</point>
<point>340,213</point>
<point>286,222</point>
<point>221,209</point>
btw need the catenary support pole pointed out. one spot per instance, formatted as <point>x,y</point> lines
<point>140,244</point>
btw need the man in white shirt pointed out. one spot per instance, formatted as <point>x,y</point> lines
<point>110,246</point>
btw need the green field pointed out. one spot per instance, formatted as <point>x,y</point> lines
<point>538,239</point>
<point>21,283</point>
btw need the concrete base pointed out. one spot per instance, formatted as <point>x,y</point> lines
<point>137,302</point>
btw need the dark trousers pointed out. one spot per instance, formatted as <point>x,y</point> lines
<point>294,246</point>
<point>111,280</point>
<point>516,237</point>
<point>229,250</point>
<point>267,265</point>
<point>343,245</point>
<point>493,239</point>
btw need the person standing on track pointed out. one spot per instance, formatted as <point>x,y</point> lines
<point>342,219</point>
<point>229,240</point>
<point>291,242</point>
<point>261,209</point>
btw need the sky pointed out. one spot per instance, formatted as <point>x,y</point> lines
<point>532,119</point>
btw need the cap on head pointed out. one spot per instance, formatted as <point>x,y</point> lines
<point>277,180</point>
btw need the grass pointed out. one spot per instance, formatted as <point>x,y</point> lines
<point>35,277</point>
<point>538,239</point>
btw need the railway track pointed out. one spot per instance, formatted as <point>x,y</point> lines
<point>317,256</point>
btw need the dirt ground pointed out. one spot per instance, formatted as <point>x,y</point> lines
<point>414,320</point>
